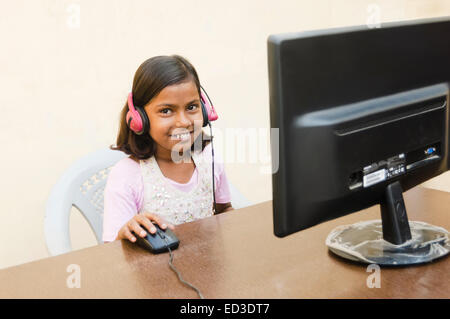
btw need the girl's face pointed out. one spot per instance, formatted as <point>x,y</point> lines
<point>175,117</point>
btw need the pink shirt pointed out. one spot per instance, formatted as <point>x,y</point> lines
<point>124,192</point>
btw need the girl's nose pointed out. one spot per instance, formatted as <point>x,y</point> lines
<point>182,120</point>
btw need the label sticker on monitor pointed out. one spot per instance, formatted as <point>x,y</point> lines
<point>374,178</point>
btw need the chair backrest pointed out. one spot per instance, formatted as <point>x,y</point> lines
<point>82,186</point>
<point>238,200</point>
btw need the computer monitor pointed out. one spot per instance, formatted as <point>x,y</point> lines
<point>362,115</point>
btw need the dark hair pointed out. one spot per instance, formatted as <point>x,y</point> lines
<point>152,76</point>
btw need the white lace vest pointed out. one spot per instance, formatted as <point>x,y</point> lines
<point>174,205</point>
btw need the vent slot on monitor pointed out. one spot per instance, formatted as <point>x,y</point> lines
<point>393,114</point>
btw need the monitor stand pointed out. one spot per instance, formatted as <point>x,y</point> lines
<point>393,240</point>
<point>394,219</point>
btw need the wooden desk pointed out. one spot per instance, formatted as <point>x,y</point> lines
<point>236,255</point>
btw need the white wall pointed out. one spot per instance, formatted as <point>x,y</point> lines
<point>64,78</point>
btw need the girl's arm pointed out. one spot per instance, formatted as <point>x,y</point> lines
<point>122,197</point>
<point>223,195</point>
<point>221,208</point>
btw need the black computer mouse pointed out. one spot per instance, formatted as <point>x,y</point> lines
<point>159,241</point>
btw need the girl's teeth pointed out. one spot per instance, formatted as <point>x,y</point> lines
<point>181,136</point>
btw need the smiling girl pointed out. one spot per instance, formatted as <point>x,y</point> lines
<point>167,179</point>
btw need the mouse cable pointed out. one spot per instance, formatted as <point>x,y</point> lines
<point>178,273</point>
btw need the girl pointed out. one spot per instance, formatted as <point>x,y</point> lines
<point>166,179</point>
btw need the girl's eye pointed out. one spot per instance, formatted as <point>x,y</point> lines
<point>192,107</point>
<point>166,111</point>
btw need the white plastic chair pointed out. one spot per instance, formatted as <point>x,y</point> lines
<point>82,186</point>
<point>238,200</point>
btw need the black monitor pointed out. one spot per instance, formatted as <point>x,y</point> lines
<point>362,116</point>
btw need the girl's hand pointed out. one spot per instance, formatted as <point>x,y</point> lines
<point>140,224</point>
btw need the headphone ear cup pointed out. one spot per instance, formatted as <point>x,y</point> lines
<point>145,121</point>
<point>205,114</point>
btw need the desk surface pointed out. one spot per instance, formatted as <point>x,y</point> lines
<point>236,255</point>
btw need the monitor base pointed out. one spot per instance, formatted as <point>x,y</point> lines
<point>364,242</point>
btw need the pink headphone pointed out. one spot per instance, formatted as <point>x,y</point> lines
<point>138,122</point>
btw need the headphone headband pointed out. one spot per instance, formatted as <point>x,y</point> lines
<point>138,122</point>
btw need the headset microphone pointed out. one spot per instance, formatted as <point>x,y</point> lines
<point>137,120</point>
